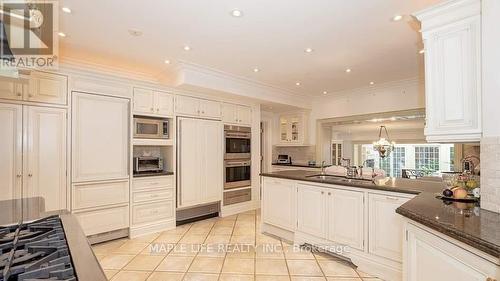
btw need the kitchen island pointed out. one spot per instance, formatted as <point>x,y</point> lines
<point>379,227</point>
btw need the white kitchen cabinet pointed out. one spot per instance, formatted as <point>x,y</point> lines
<point>11,149</point>
<point>279,200</point>
<point>47,88</point>
<point>385,227</point>
<point>432,257</point>
<point>345,218</point>
<point>293,129</point>
<point>33,154</point>
<point>452,40</point>
<point>199,150</point>
<point>100,137</point>
<point>9,89</point>
<point>236,114</point>
<point>45,156</point>
<point>190,106</point>
<point>312,210</point>
<point>154,103</point>
<point>103,220</point>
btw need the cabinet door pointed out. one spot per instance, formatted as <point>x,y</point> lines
<point>453,82</point>
<point>100,137</point>
<point>45,155</point>
<point>211,160</point>
<point>295,130</point>
<point>284,130</point>
<point>279,203</point>
<point>311,210</point>
<point>385,226</point>
<point>229,113</point>
<point>144,101</point>
<point>46,87</point>
<point>244,115</point>
<point>187,105</point>
<point>429,257</point>
<point>188,161</point>
<point>346,217</point>
<point>164,104</point>
<point>210,109</point>
<point>11,165</point>
<point>11,90</point>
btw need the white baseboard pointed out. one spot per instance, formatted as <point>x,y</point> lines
<point>137,231</point>
<point>277,231</point>
<point>239,208</point>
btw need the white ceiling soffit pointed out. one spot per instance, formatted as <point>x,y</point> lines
<point>271,36</point>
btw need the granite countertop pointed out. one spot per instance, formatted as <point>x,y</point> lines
<point>464,222</point>
<point>152,174</point>
<point>301,165</point>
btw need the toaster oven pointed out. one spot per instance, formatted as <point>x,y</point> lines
<point>148,164</point>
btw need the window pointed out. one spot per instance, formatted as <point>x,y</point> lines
<point>452,159</point>
<point>427,158</point>
<point>398,161</point>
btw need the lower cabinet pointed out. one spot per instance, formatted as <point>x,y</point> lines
<point>102,220</point>
<point>431,257</point>
<point>153,205</point>
<point>278,203</point>
<point>311,210</point>
<point>385,227</point>
<point>346,217</point>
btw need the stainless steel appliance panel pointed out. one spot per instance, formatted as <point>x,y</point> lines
<point>237,173</point>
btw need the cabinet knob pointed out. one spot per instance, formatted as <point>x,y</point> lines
<point>30,95</point>
<point>19,175</point>
<point>322,192</point>
<point>157,110</point>
<point>329,193</point>
<point>30,175</point>
<point>203,112</point>
<point>19,94</point>
<point>152,109</point>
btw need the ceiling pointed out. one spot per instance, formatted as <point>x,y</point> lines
<point>270,36</point>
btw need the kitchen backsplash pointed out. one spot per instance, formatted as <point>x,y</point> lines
<point>298,153</point>
<point>490,173</point>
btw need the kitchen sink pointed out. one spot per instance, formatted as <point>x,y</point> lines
<point>339,179</point>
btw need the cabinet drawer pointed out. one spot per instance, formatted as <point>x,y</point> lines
<point>100,194</point>
<point>99,221</point>
<point>152,212</point>
<point>143,196</point>
<point>153,183</point>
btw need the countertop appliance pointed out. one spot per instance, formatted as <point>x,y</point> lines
<point>237,173</point>
<point>51,247</point>
<point>150,128</point>
<point>284,159</point>
<point>144,164</point>
<point>237,141</point>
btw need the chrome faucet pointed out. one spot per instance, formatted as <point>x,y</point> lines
<point>323,168</point>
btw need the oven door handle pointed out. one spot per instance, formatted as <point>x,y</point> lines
<point>237,136</point>
<point>237,164</point>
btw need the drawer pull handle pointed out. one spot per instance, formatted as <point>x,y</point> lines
<point>392,198</point>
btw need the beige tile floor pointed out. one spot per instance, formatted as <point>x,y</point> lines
<point>225,249</point>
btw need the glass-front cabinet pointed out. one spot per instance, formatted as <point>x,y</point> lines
<point>293,129</point>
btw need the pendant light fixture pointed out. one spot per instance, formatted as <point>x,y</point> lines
<point>383,146</point>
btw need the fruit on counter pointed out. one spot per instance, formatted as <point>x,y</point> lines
<point>459,193</point>
<point>448,193</point>
<point>471,184</point>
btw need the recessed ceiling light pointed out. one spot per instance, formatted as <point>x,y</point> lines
<point>397,18</point>
<point>135,32</point>
<point>372,83</point>
<point>421,51</point>
<point>187,48</point>
<point>297,83</point>
<point>308,50</point>
<point>256,70</point>
<point>66,10</point>
<point>167,61</point>
<point>61,34</point>
<point>325,92</point>
<point>236,13</point>
<point>348,70</point>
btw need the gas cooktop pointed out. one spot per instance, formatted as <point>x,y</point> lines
<point>36,250</point>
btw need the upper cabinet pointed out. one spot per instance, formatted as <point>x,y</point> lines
<point>37,87</point>
<point>149,102</point>
<point>293,129</point>
<point>185,105</point>
<point>236,114</point>
<point>452,40</point>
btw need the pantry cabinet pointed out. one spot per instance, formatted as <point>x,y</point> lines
<point>279,203</point>
<point>452,40</point>
<point>190,106</point>
<point>293,129</point>
<point>429,256</point>
<point>33,154</point>
<point>154,103</point>
<point>385,226</point>
<point>236,114</point>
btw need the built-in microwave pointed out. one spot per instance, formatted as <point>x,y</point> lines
<point>237,142</point>
<point>150,128</point>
